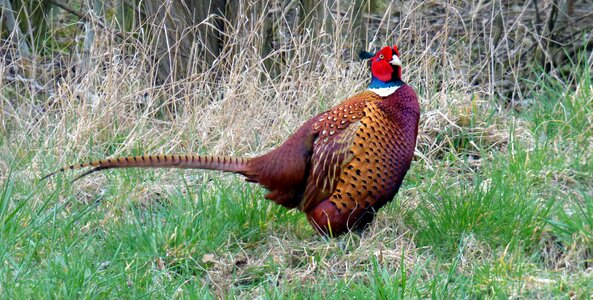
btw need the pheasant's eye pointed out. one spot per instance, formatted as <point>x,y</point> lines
<point>381,56</point>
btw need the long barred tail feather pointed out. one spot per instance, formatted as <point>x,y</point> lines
<point>221,163</point>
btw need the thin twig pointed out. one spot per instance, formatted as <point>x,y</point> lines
<point>13,27</point>
<point>87,18</point>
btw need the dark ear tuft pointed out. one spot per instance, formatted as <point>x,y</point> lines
<point>365,55</point>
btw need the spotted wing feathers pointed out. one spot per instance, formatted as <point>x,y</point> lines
<point>374,172</point>
<point>335,133</point>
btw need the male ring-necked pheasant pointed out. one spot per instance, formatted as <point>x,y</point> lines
<point>339,167</point>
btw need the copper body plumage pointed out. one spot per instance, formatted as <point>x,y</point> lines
<point>339,167</point>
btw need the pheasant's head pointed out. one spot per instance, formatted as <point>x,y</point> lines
<point>385,64</point>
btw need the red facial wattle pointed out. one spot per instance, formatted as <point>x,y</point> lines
<point>381,69</point>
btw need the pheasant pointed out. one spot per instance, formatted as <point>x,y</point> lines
<point>339,167</point>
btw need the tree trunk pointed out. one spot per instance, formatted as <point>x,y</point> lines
<point>358,25</point>
<point>183,30</point>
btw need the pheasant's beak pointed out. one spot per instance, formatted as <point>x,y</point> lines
<point>396,61</point>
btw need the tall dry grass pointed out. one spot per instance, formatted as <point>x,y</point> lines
<point>72,106</point>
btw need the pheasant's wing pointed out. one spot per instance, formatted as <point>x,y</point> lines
<point>335,131</point>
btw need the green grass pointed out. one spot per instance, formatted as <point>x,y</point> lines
<point>478,222</point>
